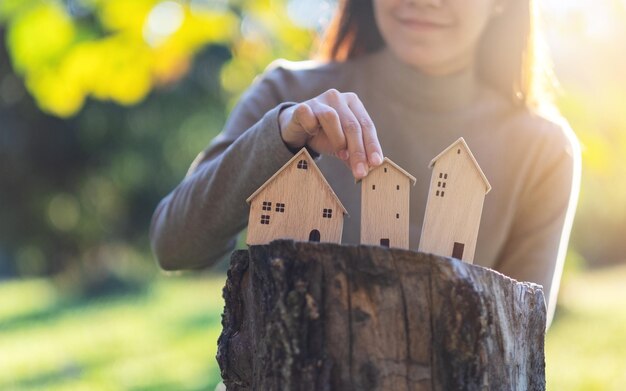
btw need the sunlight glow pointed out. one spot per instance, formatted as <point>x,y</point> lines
<point>162,21</point>
<point>586,17</point>
<point>209,5</point>
<point>311,14</point>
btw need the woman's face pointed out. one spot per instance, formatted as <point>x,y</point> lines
<point>436,36</point>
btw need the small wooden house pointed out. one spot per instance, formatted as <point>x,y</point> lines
<point>385,206</point>
<point>295,203</point>
<point>455,201</point>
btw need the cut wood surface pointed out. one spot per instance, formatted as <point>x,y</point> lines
<point>310,316</point>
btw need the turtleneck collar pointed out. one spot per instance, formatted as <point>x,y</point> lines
<point>419,91</point>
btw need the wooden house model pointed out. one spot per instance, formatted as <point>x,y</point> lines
<point>455,201</point>
<point>385,206</point>
<point>295,203</point>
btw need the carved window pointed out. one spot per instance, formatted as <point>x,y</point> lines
<point>280,207</point>
<point>397,187</point>
<point>397,215</point>
<point>385,169</point>
<point>303,165</point>
<point>327,213</point>
<point>458,151</point>
<point>441,184</point>
<point>373,187</point>
<point>267,205</point>
<point>265,219</point>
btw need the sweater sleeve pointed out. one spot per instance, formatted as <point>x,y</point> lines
<point>198,222</point>
<point>537,244</point>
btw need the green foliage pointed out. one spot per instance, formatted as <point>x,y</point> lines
<point>586,38</point>
<point>599,125</point>
<point>586,344</point>
<point>120,50</point>
<point>142,87</point>
<point>161,339</point>
<point>120,54</point>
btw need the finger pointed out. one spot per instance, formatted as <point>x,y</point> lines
<point>343,154</point>
<point>354,139</point>
<point>331,125</point>
<point>305,118</point>
<point>371,143</point>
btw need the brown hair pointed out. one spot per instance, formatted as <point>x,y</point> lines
<point>508,54</point>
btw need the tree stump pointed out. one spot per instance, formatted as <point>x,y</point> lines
<point>310,316</point>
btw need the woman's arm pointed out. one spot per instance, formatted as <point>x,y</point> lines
<point>198,222</point>
<point>537,244</point>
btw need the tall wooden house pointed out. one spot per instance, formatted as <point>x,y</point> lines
<point>295,203</point>
<point>455,201</point>
<point>385,206</point>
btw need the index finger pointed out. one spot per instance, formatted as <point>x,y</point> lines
<point>370,136</point>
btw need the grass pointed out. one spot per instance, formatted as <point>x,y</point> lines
<point>586,345</point>
<point>164,338</point>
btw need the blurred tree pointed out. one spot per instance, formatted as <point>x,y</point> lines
<point>587,41</point>
<point>111,50</point>
<point>103,105</point>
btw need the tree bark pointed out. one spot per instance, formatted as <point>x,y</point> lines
<point>309,316</point>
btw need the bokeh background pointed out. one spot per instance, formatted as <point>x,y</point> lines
<point>104,104</point>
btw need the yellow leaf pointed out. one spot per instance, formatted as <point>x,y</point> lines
<point>39,36</point>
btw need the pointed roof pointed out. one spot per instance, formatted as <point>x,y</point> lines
<point>299,155</point>
<point>394,165</point>
<point>461,142</point>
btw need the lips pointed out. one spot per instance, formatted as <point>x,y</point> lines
<point>423,24</point>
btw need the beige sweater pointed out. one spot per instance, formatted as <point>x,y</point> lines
<point>532,164</point>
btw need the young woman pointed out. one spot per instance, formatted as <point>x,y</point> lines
<point>402,79</point>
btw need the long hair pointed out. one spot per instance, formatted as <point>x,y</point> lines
<point>509,57</point>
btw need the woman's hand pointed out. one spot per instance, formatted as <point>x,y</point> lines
<point>334,123</point>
